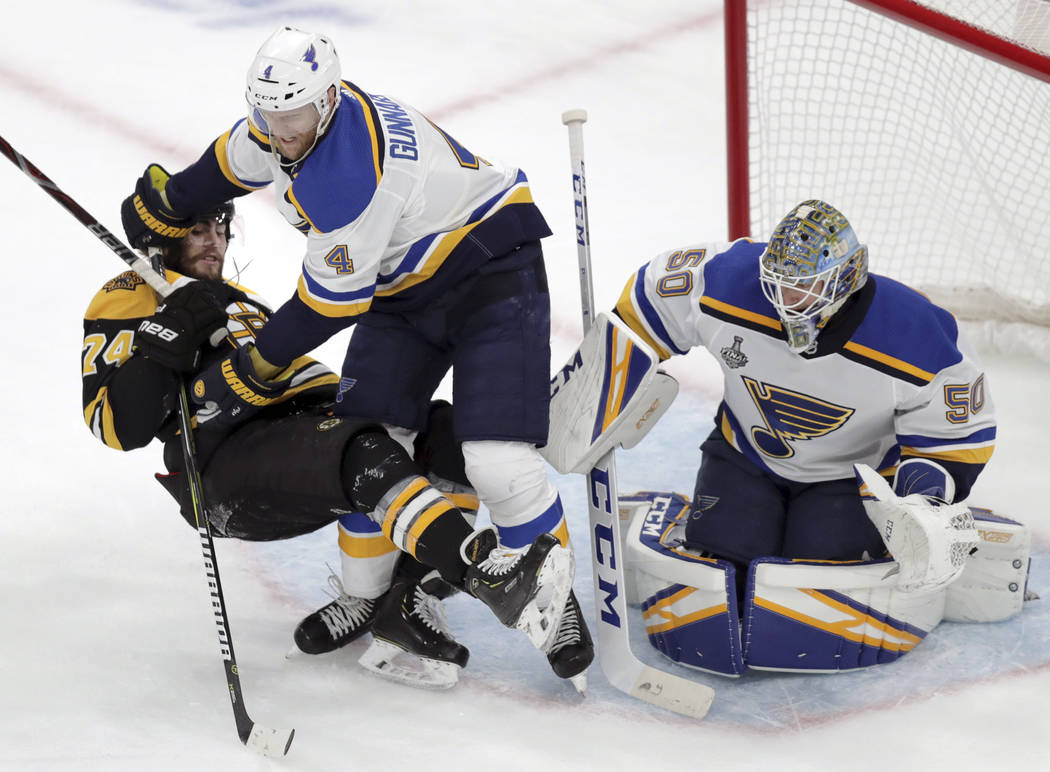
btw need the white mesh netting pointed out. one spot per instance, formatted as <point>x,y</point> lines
<point>937,155</point>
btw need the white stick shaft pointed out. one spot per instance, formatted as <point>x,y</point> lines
<point>575,119</point>
<point>623,669</point>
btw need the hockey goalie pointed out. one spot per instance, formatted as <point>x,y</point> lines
<point>827,530</point>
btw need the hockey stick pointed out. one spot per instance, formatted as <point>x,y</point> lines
<point>269,742</point>
<point>623,669</point>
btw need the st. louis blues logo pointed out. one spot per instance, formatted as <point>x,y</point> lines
<point>732,355</point>
<point>791,416</point>
<point>345,384</point>
<point>701,504</point>
<point>311,56</point>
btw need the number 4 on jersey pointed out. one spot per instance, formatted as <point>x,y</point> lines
<point>339,259</point>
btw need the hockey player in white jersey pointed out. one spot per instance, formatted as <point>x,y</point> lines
<point>825,366</point>
<point>433,252</point>
<point>795,551</point>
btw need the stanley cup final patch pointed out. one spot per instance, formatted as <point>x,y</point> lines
<point>732,355</point>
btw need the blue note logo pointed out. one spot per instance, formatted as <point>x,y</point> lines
<point>790,416</point>
<point>345,384</point>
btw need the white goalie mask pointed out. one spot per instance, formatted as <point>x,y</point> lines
<point>812,264</point>
<point>291,70</point>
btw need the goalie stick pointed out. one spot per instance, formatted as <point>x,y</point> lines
<point>262,739</point>
<point>623,669</point>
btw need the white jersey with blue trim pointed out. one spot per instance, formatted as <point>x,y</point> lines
<point>385,197</point>
<point>902,382</point>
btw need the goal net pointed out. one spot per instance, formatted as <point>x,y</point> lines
<point>927,122</point>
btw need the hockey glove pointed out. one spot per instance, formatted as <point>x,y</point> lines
<point>231,391</point>
<point>188,317</point>
<point>148,219</point>
<point>920,475</point>
<point>929,541</point>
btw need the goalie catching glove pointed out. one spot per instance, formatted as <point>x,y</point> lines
<point>188,317</point>
<point>148,219</point>
<point>230,391</point>
<point>929,539</point>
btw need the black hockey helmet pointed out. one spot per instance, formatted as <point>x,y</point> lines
<point>223,213</point>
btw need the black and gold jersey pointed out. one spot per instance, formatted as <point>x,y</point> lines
<point>128,400</point>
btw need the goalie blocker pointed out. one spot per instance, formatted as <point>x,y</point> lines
<point>797,615</point>
<point>608,395</point>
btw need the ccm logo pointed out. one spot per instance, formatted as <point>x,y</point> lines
<point>608,590</point>
<point>158,329</point>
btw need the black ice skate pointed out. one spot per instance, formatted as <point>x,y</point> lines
<point>343,620</point>
<point>411,640</point>
<point>508,581</point>
<point>572,650</point>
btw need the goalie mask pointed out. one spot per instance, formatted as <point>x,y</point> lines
<point>812,264</point>
<point>292,74</point>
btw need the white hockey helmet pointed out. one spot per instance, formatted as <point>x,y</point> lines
<point>291,69</point>
<point>815,257</point>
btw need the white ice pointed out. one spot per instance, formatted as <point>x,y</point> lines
<point>109,659</point>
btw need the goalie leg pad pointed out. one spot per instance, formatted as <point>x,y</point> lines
<point>992,585</point>
<point>689,602</point>
<point>814,617</point>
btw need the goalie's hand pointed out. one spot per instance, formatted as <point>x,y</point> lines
<point>230,391</point>
<point>925,477</point>
<point>148,218</point>
<point>929,541</point>
<point>187,318</point>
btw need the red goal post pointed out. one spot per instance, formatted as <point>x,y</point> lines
<point>927,122</point>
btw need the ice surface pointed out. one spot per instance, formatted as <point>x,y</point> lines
<point>110,659</point>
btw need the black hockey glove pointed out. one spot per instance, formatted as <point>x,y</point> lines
<point>188,317</point>
<point>148,220</point>
<point>230,391</point>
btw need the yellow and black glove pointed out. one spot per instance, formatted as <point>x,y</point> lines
<point>148,219</point>
<point>235,388</point>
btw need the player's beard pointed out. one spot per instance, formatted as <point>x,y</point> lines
<point>204,265</point>
<point>298,147</point>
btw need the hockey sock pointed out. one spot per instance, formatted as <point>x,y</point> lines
<point>410,569</point>
<point>380,478</point>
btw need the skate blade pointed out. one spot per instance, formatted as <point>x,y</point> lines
<point>540,625</point>
<point>395,664</point>
<point>580,682</point>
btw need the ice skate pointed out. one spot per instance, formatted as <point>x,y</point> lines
<point>508,581</point>
<point>412,643</point>
<point>572,650</point>
<point>333,626</point>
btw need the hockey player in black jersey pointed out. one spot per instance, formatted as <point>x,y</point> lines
<point>294,466</point>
